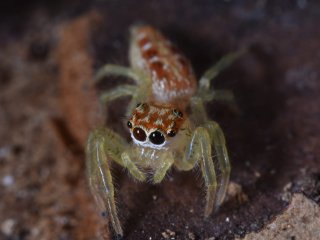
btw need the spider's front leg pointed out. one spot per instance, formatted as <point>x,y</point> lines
<point>202,148</point>
<point>103,146</point>
<point>206,144</point>
<point>218,143</point>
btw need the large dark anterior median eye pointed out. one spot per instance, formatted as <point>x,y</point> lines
<point>139,134</point>
<point>156,137</point>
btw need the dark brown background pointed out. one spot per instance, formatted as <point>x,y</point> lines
<point>49,52</point>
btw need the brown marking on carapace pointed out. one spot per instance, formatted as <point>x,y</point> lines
<point>142,42</point>
<point>159,69</point>
<point>152,116</point>
<point>150,53</point>
<point>184,62</point>
<point>173,78</point>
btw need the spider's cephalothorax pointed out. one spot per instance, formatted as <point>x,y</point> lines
<point>153,126</point>
<point>163,136</point>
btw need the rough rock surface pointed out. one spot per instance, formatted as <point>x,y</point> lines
<point>300,221</point>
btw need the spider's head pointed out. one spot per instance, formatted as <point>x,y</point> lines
<point>153,125</point>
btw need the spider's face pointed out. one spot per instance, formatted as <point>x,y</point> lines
<point>154,126</point>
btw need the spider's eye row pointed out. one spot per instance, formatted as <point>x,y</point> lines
<point>139,134</point>
<point>172,133</point>
<point>129,124</point>
<point>156,138</point>
<point>177,113</point>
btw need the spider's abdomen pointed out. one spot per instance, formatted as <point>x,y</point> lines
<point>171,74</point>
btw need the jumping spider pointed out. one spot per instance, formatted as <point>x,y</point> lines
<point>168,124</point>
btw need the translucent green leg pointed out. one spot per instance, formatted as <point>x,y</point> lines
<point>211,73</point>
<point>209,142</point>
<point>120,91</point>
<point>103,146</point>
<point>207,168</point>
<point>206,94</point>
<point>111,69</point>
<point>219,145</point>
<point>131,166</point>
<point>138,92</point>
<point>206,144</point>
<point>160,173</point>
<point>199,151</point>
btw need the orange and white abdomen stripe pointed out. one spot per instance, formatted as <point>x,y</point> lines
<point>170,72</point>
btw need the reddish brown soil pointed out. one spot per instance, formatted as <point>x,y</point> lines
<point>48,105</point>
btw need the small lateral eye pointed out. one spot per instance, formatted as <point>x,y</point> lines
<point>139,134</point>
<point>156,138</point>
<point>177,113</point>
<point>172,133</point>
<point>129,124</point>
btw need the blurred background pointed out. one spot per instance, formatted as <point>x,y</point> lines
<point>48,104</point>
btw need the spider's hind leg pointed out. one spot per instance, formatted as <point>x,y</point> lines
<point>117,70</point>
<point>136,91</point>
<point>207,94</point>
<point>213,72</point>
<point>117,92</point>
